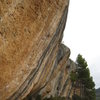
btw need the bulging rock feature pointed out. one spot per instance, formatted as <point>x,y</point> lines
<point>32,59</point>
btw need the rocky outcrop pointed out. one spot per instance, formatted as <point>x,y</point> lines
<point>32,59</point>
<point>60,83</point>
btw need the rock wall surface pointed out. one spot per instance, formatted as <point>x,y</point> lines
<point>32,58</point>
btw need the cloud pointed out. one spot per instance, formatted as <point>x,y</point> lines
<point>82,33</point>
<point>95,70</point>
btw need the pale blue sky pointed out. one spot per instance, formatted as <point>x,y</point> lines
<point>82,33</point>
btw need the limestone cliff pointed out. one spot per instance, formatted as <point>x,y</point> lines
<point>32,58</point>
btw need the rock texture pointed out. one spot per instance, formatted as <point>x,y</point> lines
<point>60,83</point>
<point>32,58</point>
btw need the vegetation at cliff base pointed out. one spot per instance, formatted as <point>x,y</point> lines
<point>51,98</point>
<point>55,98</point>
<point>83,78</point>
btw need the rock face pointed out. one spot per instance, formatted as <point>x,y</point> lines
<point>32,58</point>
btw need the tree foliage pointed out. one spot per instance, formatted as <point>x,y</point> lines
<point>76,97</point>
<point>85,78</point>
<point>81,62</point>
<point>55,98</point>
<point>73,76</point>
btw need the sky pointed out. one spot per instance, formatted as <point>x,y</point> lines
<point>82,34</point>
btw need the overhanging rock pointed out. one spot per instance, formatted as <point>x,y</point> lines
<point>32,58</point>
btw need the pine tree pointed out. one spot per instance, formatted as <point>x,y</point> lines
<point>85,78</point>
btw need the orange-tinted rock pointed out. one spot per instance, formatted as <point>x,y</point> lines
<point>30,36</point>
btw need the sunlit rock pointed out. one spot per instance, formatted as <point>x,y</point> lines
<point>32,58</point>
